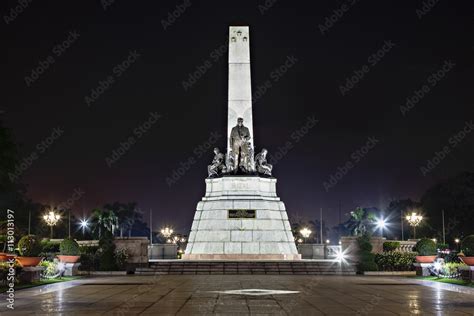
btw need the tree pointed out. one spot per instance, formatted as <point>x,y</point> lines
<point>360,221</point>
<point>103,221</point>
<point>397,210</point>
<point>126,213</point>
<point>455,196</point>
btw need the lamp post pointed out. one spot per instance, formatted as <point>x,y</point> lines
<point>457,243</point>
<point>414,220</point>
<point>51,219</point>
<point>305,232</point>
<point>167,232</point>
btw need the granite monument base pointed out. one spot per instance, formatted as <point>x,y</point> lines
<point>241,218</point>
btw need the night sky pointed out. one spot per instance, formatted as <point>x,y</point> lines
<point>103,38</point>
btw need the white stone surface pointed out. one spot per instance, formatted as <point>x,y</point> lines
<point>213,233</point>
<point>240,90</point>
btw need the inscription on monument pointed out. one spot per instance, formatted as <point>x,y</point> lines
<point>235,214</point>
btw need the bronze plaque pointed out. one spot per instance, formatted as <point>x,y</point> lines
<point>235,214</point>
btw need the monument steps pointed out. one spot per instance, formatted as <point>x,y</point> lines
<point>247,267</point>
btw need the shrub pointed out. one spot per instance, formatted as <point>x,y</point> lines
<point>69,247</point>
<point>366,258</point>
<point>395,261</point>
<point>390,245</point>
<point>426,247</point>
<point>442,246</point>
<point>106,253</point>
<point>467,246</point>
<point>88,249</point>
<point>89,262</point>
<point>29,246</point>
<point>121,257</point>
<point>5,269</point>
<point>48,246</point>
<point>451,269</point>
<point>451,257</point>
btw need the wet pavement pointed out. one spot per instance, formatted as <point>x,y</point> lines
<point>244,294</point>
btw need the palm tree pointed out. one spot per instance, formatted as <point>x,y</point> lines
<point>104,220</point>
<point>126,215</point>
<point>361,219</point>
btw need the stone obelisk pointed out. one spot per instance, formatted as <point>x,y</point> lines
<point>240,90</point>
<point>240,217</point>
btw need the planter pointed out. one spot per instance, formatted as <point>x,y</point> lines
<point>3,256</point>
<point>467,260</point>
<point>68,259</point>
<point>425,259</point>
<point>29,261</point>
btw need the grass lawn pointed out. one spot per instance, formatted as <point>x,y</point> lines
<point>42,282</point>
<point>450,281</point>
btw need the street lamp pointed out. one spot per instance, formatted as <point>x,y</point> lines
<point>381,224</point>
<point>305,232</point>
<point>414,220</point>
<point>457,243</point>
<point>51,219</point>
<point>167,232</point>
<point>84,223</point>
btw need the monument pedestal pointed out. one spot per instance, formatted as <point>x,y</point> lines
<point>241,218</point>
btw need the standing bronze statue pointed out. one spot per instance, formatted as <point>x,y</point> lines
<point>241,147</point>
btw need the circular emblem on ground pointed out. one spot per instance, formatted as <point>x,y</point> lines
<point>256,292</point>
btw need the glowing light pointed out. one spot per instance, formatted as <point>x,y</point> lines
<point>300,240</point>
<point>340,242</point>
<point>381,223</point>
<point>340,256</point>
<point>84,223</point>
<point>434,239</point>
<point>328,241</point>
<point>457,240</point>
<point>305,232</point>
<point>167,232</point>
<point>438,265</point>
<point>183,240</point>
<point>414,219</point>
<point>51,218</point>
<point>61,266</point>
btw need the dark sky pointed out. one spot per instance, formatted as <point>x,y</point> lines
<point>423,44</point>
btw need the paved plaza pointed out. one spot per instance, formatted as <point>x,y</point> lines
<point>218,294</point>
